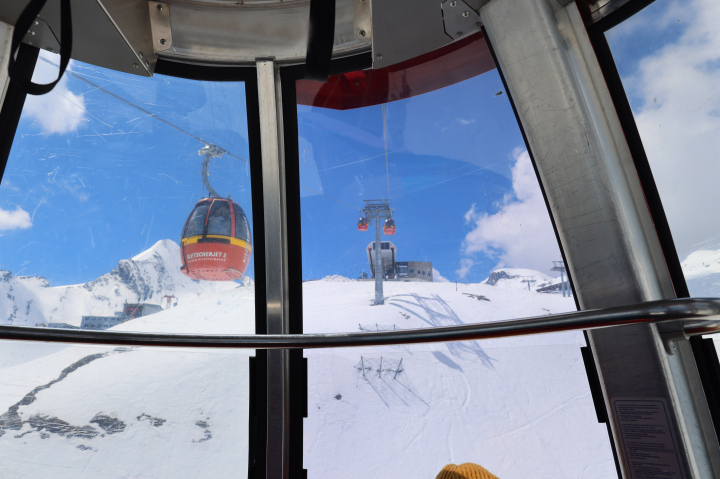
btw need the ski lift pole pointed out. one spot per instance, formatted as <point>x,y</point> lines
<point>378,210</point>
<point>378,262</point>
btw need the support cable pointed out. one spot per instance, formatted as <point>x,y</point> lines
<point>206,143</point>
<point>387,167</point>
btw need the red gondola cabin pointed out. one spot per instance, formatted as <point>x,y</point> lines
<point>389,227</point>
<point>362,224</point>
<point>216,242</point>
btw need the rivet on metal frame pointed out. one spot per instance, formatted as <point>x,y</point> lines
<point>363,21</point>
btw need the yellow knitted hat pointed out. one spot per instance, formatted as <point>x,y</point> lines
<point>465,471</point>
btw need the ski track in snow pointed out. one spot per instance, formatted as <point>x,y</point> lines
<point>520,406</point>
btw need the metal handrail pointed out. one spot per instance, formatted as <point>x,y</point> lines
<point>698,315</point>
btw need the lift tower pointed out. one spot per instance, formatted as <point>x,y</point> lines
<point>378,210</point>
<point>560,266</point>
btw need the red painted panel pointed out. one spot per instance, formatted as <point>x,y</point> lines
<point>215,261</point>
<point>446,66</point>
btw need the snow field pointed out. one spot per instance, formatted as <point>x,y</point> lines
<point>520,406</point>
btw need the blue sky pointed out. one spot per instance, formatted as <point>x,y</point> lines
<point>448,150</point>
<point>92,180</point>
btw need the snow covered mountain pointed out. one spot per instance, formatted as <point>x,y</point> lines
<point>146,278</point>
<point>519,406</point>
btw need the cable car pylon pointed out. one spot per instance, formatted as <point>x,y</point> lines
<point>378,210</point>
<point>216,241</point>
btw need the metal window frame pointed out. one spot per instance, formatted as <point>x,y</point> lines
<point>705,356</point>
<point>10,113</point>
<point>295,396</point>
<point>14,101</point>
<point>580,146</point>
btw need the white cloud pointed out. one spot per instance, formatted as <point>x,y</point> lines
<point>60,111</point>
<point>14,220</point>
<point>679,119</point>
<point>438,278</point>
<point>465,265</point>
<point>520,234</point>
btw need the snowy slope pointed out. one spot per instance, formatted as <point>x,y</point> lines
<point>702,272</point>
<point>146,278</point>
<point>519,406</point>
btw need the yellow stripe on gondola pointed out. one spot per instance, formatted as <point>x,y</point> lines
<point>233,241</point>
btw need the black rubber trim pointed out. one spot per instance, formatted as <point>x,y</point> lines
<point>709,370</point>
<point>14,102</point>
<point>191,71</point>
<point>321,37</point>
<point>618,16</point>
<point>298,364</point>
<point>598,398</point>
<point>22,26</point>
<point>594,382</point>
<point>258,365</point>
<point>257,420</point>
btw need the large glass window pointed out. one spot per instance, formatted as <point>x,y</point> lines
<point>113,412</point>
<point>668,57</point>
<point>470,241</point>
<point>103,174</point>
<point>102,177</point>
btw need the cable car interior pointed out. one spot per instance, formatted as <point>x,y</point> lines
<point>552,164</point>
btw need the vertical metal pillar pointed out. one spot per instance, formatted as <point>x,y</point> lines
<point>378,210</point>
<point>276,261</point>
<point>6,32</point>
<point>379,299</point>
<point>658,415</point>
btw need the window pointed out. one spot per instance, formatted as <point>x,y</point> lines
<point>668,58</point>
<point>196,222</point>
<point>451,169</point>
<point>219,221</point>
<point>102,177</point>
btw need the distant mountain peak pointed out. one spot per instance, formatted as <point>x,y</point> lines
<point>164,248</point>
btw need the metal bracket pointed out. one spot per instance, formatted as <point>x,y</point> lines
<point>670,333</point>
<point>670,338</point>
<point>459,19</point>
<point>160,24</point>
<point>363,20</point>
<point>41,35</point>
